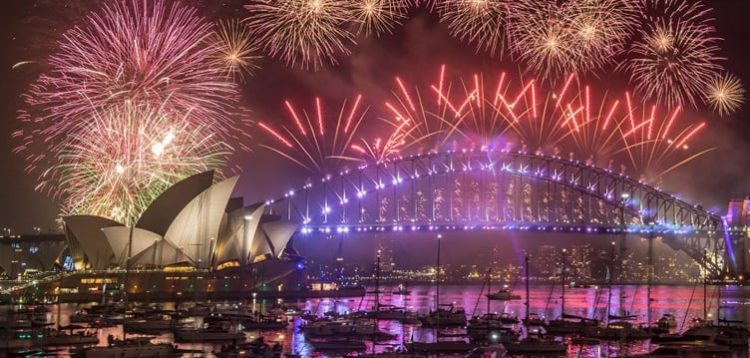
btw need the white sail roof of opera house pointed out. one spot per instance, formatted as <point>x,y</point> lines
<point>191,226</point>
<point>196,227</point>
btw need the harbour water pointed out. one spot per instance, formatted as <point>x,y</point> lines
<point>684,302</point>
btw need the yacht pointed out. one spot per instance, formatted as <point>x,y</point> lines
<point>126,349</point>
<point>535,345</point>
<point>338,345</point>
<point>570,324</point>
<point>504,294</point>
<point>444,317</point>
<point>150,324</point>
<point>346,328</point>
<point>209,334</point>
<point>389,312</point>
<point>446,347</point>
<point>619,330</point>
<point>264,322</point>
<point>401,290</point>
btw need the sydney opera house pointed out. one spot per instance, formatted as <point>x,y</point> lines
<point>193,239</point>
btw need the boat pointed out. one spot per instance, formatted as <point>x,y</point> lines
<point>570,324</point>
<point>504,294</point>
<point>667,322</point>
<point>390,312</point>
<point>209,334</point>
<point>150,324</point>
<point>256,348</point>
<point>18,323</point>
<point>447,347</point>
<point>491,320</point>
<point>535,345</point>
<point>130,348</point>
<point>264,322</point>
<point>199,310</point>
<point>619,330</point>
<point>689,349</point>
<point>533,320</point>
<point>732,333</point>
<point>401,290</point>
<point>338,345</point>
<point>346,328</point>
<point>444,317</point>
<point>492,335</point>
<point>584,341</point>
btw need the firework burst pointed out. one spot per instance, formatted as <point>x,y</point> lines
<point>542,38</point>
<point>145,52</point>
<point>483,23</point>
<point>127,156</point>
<point>303,33</point>
<point>725,94</point>
<point>599,29</point>
<point>377,16</point>
<point>236,52</point>
<point>315,141</point>
<point>140,59</point>
<point>675,56</point>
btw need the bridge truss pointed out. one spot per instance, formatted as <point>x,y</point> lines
<point>502,190</point>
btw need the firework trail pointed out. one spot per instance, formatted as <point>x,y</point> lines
<point>378,16</point>
<point>600,128</point>
<point>725,94</point>
<point>303,33</point>
<point>128,155</point>
<point>236,53</point>
<point>658,142</point>
<point>379,150</point>
<point>313,140</point>
<point>124,57</point>
<point>424,115</point>
<point>482,23</point>
<point>675,56</point>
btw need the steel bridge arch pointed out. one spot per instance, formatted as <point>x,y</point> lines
<point>508,190</point>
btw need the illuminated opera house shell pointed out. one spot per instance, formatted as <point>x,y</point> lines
<point>192,223</point>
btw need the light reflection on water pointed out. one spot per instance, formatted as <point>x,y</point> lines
<point>545,301</point>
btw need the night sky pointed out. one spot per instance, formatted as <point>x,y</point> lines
<point>415,51</point>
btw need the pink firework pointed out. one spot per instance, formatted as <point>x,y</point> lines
<point>139,53</point>
<point>144,51</point>
<point>315,141</point>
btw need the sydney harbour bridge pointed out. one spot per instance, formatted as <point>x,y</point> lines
<point>511,190</point>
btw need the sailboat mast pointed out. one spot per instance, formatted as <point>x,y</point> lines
<point>437,275</point>
<point>650,277</point>
<point>609,281</point>
<point>562,281</point>
<point>489,288</point>
<point>705,288</point>
<point>377,284</point>
<point>526,266</point>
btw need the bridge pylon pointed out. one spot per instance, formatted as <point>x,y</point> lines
<point>737,236</point>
